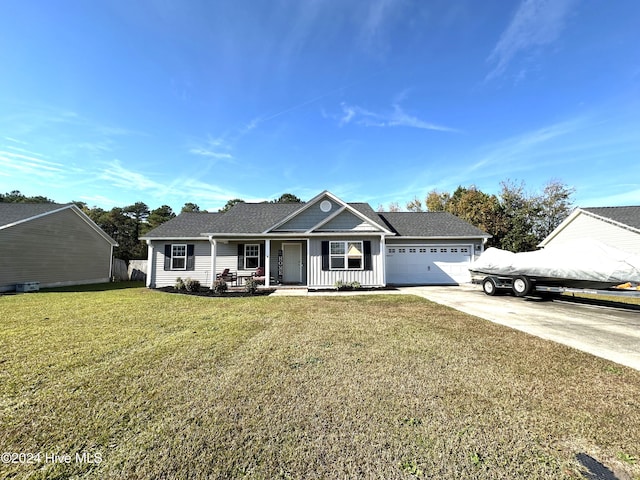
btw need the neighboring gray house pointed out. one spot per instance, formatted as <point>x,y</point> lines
<point>314,244</point>
<point>618,227</point>
<point>55,245</point>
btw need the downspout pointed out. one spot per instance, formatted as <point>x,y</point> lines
<point>111,265</point>
<point>383,254</point>
<point>308,260</point>
<point>214,253</point>
<point>151,266</point>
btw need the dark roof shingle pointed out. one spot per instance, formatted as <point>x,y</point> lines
<point>185,225</point>
<point>626,215</point>
<point>17,212</point>
<point>429,225</point>
<point>256,218</point>
<point>253,217</point>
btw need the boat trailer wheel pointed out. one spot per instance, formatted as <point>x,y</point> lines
<point>490,286</point>
<point>521,286</point>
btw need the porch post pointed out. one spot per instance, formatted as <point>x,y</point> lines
<point>214,253</point>
<point>267,262</point>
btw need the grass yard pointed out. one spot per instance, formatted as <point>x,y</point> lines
<point>152,385</point>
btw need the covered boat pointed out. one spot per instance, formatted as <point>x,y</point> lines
<point>577,264</point>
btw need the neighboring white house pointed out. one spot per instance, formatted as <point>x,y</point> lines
<point>52,244</point>
<point>314,244</point>
<point>618,227</point>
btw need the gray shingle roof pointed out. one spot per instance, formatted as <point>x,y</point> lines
<point>627,215</point>
<point>429,224</point>
<point>255,218</point>
<point>366,210</point>
<point>17,212</point>
<point>185,225</point>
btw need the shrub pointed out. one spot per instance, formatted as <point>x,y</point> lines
<point>342,285</point>
<point>179,285</point>
<point>191,285</point>
<point>220,286</point>
<point>250,286</point>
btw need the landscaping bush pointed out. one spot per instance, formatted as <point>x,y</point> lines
<point>191,285</point>
<point>179,285</point>
<point>342,285</point>
<point>250,286</point>
<point>220,286</point>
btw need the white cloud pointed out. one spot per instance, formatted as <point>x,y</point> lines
<point>99,201</point>
<point>400,118</point>
<point>397,117</point>
<point>376,20</point>
<point>536,23</point>
<point>518,152</point>
<point>217,148</point>
<point>15,140</point>
<point>179,190</point>
<point>29,165</point>
<point>204,152</point>
<point>122,177</point>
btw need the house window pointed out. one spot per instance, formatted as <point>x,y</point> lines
<point>178,257</point>
<point>251,256</point>
<point>345,256</point>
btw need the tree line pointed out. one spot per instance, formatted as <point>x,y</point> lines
<point>127,224</point>
<point>517,220</point>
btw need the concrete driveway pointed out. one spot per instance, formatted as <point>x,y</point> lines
<point>607,332</point>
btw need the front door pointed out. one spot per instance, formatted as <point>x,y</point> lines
<point>292,263</point>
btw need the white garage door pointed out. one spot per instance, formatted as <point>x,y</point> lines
<point>428,265</point>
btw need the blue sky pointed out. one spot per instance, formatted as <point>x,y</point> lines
<point>173,101</point>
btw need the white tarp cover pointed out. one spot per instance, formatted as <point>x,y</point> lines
<point>578,260</point>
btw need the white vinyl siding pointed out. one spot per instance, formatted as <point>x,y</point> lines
<point>319,278</point>
<point>228,257</point>
<point>586,226</point>
<point>201,267</point>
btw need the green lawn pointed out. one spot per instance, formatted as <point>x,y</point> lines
<point>168,386</point>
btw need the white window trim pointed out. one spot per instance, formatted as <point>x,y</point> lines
<point>173,245</point>
<point>252,256</point>
<point>345,255</point>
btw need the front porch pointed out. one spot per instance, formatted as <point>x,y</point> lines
<point>281,263</point>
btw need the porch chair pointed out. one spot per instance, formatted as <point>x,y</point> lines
<point>227,276</point>
<point>258,275</point>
